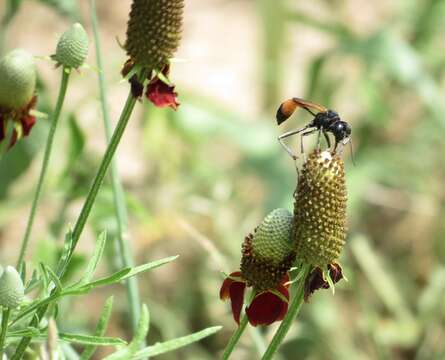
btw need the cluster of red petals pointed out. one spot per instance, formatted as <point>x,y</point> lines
<point>158,92</point>
<point>23,117</point>
<point>316,281</point>
<point>265,308</point>
<point>162,94</point>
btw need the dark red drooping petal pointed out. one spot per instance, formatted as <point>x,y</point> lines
<point>224,292</point>
<point>237,298</point>
<point>268,307</point>
<point>27,122</point>
<point>162,94</point>
<point>316,281</point>
<point>234,289</point>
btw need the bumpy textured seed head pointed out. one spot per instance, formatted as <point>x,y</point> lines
<point>154,31</point>
<point>11,288</point>
<point>72,48</point>
<point>268,254</point>
<point>17,79</point>
<point>320,209</point>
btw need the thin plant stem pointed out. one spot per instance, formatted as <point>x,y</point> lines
<point>123,237</point>
<point>43,171</point>
<point>235,338</point>
<point>288,320</point>
<point>5,318</point>
<point>237,334</point>
<point>88,204</point>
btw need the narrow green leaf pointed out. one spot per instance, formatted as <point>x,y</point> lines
<point>98,252</point>
<point>91,339</point>
<point>139,337</point>
<point>53,277</point>
<point>30,331</point>
<point>170,345</point>
<point>149,266</point>
<point>33,282</point>
<point>101,327</point>
<point>123,274</point>
<point>35,305</point>
<point>67,246</point>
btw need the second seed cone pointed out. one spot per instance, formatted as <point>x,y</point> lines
<point>320,209</point>
<point>154,32</point>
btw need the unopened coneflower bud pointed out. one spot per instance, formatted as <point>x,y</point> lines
<point>72,48</point>
<point>11,288</point>
<point>17,79</point>
<point>268,254</point>
<point>320,209</point>
<point>154,32</point>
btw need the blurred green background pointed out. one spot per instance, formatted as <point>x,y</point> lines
<point>199,179</point>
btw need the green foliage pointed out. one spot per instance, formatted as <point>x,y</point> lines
<point>215,166</point>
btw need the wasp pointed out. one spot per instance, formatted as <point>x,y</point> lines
<point>325,121</point>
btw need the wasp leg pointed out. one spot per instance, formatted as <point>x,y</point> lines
<point>301,143</point>
<point>286,135</point>
<point>327,139</point>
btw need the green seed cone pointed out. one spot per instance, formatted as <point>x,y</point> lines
<point>11,288</point>
<point>320,209</point>
<point>268,253</point>
<point>154,32</point>
<point>17,79</point>
<point>72,48</point>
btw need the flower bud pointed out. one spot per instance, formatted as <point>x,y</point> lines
<point>320,209</point>
<point>17,79</point>
<point>267,254</point>
<point>12,290</point>
<point>72,48</point>
<point>154,32</point>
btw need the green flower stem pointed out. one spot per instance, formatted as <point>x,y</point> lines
<point>87,206</point>
<point>235,338</point>
<point>237,334</point>
<point>292,313</point>
<point>43,170</point>
<point>123,237</point>
<point>5,318</point>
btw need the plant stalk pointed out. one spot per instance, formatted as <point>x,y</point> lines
<point>88,204</point>
<point>5,318</point>
<point>288,320</point>
<point>235,338</point>
<point>237,334</point>
<point>43,171</point>
<point>123,236</point>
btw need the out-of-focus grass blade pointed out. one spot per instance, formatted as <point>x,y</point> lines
<point>12,7</point>
<point>402,62</point>
<point>432,299</point>
<point>68,8</point>
<point>101,327</point>
<point>378,276</point>
<point>174,344</point>
<point>332,28</point>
